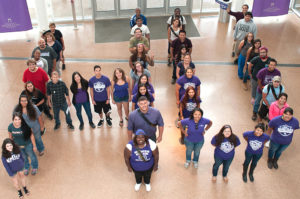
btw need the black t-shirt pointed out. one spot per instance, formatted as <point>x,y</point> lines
<point>182,69</point>
<point>35,99</point>
<point>257,65</point>
<point>176,45</point>
<point>57,34</point>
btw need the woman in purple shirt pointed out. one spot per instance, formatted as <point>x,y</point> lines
<point>282,128</point>
<point>142,91</point>
<point>14,163</point>
<point>196,126</point>
<point>225,142</point>
<point>255,145</point>
<point>141,157</point>
<point>79,88</point>
<point>143,80</point>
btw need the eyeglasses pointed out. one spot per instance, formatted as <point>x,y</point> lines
<point>277,81</point>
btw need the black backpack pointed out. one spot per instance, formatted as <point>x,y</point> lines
<point>271,87</point>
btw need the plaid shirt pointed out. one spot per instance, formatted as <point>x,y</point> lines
<point>57,92</point>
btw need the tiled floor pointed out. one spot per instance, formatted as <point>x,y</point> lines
<point>89,164</point>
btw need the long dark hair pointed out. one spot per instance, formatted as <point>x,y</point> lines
<point>134,69</point>
<point>24,127</point>
<point>246,39</point>
<point>147,94</point>
<point>220,136</point>
<point>196,109</point>
<point>135,141</point>
<point>34,91</point>
<point>147,83</point>
<point>187,97</point>
<point>134,57</point>
<point>253,47</point>
<point>31,112</point>
<point>74,86</point>
<point>115,79</point>
<point>180,53</point>
<point>7,154</point>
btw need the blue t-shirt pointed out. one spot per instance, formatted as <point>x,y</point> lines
<point>226,150</point>
<point>100,87</point>
<point>137,163</point>
<point>255,144</point>
<point>270,97</point>
<point>18,135</point>
<point>189,107</point>
<point>185,82</point>
<point>195,135</point>
<point>13,164</point>
<point>135,100</point>
<point>283,131</point>
<point>121,91</point>
<point>136,87</point>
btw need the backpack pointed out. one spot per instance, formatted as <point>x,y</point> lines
<point>271,87</point>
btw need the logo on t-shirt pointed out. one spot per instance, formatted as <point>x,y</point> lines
<point>268,79</point>
<point>244,27</point>
<point>255,144</point>
<point>190,106</point>
<point>145,154</point>
<point>285,130</point>
<point>99,87</point>
<point>45,54</point>
<point>13,157</point>
<point>17,132</point>
<point>186,85</point>
<point>226,147</point>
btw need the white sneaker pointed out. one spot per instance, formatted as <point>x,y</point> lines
<point>196,165</point>
<point>267,144</point>
<point>186,165</point>
<point>148,187</point>
<point>137,187</point>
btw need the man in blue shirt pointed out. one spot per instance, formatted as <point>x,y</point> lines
<point>137,15</point>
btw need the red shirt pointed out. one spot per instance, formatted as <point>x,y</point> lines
<point>39,79</point>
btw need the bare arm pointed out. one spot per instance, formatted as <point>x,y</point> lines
<point>54,65</point>
<point>33,142</point>
<point>62,43</point>
<point>181,129</point>
<point>180,110</point>
<point>49,100</point>
<point>41,102</point>
<point>250,68</point>
<point>177,72</point>
<point>68,100</point>
<point>172,53</point>
<point>41,122</point>
<point>10,135</point>
<point>129,132</point>
<point>259,84</point>
<point>127,155</point>
<point>160,133</point>
<point>264,97</point>
<point>190,51</point>
<point>130,63</point>
<point>112,92</point>
<point>241,45</point>
<point>108,94</point>
<point>177,87</point>
<point>155,154</point>
<point>169,35</point>
<point>269,131</point>
<point>150,60</point>
<point>92,95</point>
<point>198,91</point>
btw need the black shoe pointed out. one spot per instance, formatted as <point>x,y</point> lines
<point>49,116</point>
<point>20,194</point>
<point>244,177</point>
<point>254,116</point>
<point>108,121</point>
<point>270,163</point>
<point>251,177</point>
<point>232,54</point>
<point>26,190</point>
<point>100,123</point>
<point>56,126</point>
<point>81,126</point>
<point>275,165</point>
<point>181,141</point>
<point>70,126</point>
<point>43,132</point>
<point>63,66</point>
<point>92,125</point>
<point>173,81</point>
<point>235,61</point>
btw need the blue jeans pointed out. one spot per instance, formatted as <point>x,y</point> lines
<point>246,75</point>
<point>258,98</point>
<point>218,162</point>
<point>241,64</point>
<point>190,147</point>
<point>253,157</point>
<point>276,149</point>
<point>38,141</point>
<point>87,107</point>
<point>64,108</point>
<point>28,151</point>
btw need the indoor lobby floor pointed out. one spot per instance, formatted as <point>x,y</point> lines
<point>89,164</point>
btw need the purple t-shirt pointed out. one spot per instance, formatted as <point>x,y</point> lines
<point>195,135</point>
<point>100,87</point>
<point>283,131</point>
<point>189,107</point>
<point>226,150</point>
<point>137,162</point>
<point>81,96</point>
<point>255,144</point>
<point>136,87</point>
<point>185,82</point>
<point>135,100</point>
<point>266,76</point>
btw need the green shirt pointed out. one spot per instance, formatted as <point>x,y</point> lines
<point>18,135</point>
<point>134,41</point>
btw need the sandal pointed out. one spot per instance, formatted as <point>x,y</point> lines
<point>26,172</point>
<point>20,194</point>
<point>121,123</point>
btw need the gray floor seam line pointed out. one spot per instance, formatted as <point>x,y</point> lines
<point>126,61</point>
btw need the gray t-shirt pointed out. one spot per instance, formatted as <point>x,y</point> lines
<point>135,77</point>
<point>47,53</point>
<point>33,124</point>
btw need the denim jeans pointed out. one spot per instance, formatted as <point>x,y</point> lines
<point>218,162</point>
<point>190,147</point>
<point>253,88</point>
<point>246,75</point>
<point>38,141</point>
<point>28,151</point>
<point>64,108</point>
<point>258,98</point>
<point>253,157</point>
<point>275,149</point>
<point>87,107</point>
<point>241,64</point>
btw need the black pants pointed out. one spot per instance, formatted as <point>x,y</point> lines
<point>140,174</point>
<point>174,70</point>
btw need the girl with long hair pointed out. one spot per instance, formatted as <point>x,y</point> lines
<point>143,80</point>
<point>142,91</point>
<point>173,33</point>
<point>243,48</point>
<point>141,56</point>
<point>183,65</point>
<point>137,71</point>
<point>57,47</point>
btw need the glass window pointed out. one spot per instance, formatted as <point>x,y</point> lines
<point>128,4</point>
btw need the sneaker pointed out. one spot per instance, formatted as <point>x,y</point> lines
<point>137,187</point>
<point>196,165</point>
<point>108,121</point>
<point>56,126</point>
<point>92,125</point>
<point>26,172</point>
<point>63,66</point>
<point>181,141</point>
<point>148,187</point>
<point>49,116</point>
<point>235,61</point>
<point>43,132</point>
<point>41,153</point>
<point>186,165</point>
<point>33,172</point>
<point>20,194</point>
<point>254,116</point>
<point>81,126</point>
<point>275,165</point>
<point>245,86</point>
<point>100,123</point>
<point>270,163</point>
<point>233,54</point>
<point>173,81</point>
<point>267,144</point>
<point>26,191</point>
<point>70,126</point>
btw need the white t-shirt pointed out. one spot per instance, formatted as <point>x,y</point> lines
<point>151,143</point>
<point>144,28</point>
<point>173,37</point>
<point>182,21</point>
<point>40,64</point>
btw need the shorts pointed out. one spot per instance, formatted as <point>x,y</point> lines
<point>263,111</point>
<point>121,99</point>
<point>102,105</point>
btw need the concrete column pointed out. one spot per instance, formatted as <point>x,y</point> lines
<point>42,14</point>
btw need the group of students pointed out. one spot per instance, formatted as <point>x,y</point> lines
<point>141,153</point>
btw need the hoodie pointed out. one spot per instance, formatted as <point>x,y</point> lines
<point>242,28</point>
